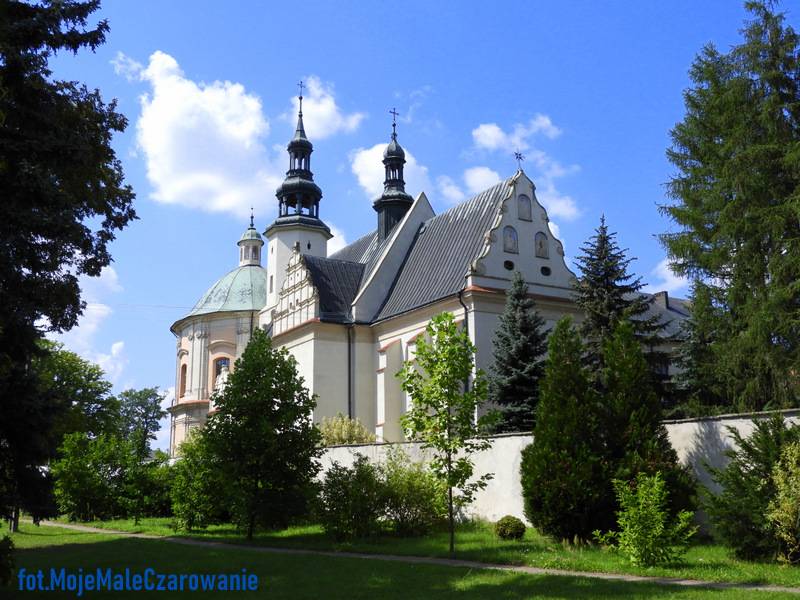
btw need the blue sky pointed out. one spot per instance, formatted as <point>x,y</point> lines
<point>587,90</point>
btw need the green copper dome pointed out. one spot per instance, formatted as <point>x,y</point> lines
<point>244,288</point>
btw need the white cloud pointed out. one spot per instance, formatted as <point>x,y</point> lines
<point>449,189</point>
<point>162,436</point>
<point>546,170</point>
<point>666,280</point>
<point>338,241</point>
<point>202,142</point>
<point>322,117</point>
<point>490,136</point>
<point>81,338</point>
<point>367,166</point>
<point>478,179</point>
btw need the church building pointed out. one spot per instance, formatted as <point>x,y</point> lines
<point>353,317</point>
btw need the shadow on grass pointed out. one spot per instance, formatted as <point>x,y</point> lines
<point>338,578</point>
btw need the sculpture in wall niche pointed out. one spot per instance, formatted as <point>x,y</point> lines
<point>524,208</point>
<point>542,250</point>
<point>510,241</point>
<point>222,379</point>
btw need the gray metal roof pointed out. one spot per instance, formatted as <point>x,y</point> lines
<point>359,251</point>
<point>337,282</point>
<point>442,251</point>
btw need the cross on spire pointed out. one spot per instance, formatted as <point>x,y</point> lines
<point>301,86</point>
<point>518,155</point>
<point>394,114</point>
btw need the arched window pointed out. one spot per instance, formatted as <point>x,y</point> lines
<point>524,208</point>
<point>182,385</point>
<point>510,242</point>
<point>542,247</point>
<point>221,363</point>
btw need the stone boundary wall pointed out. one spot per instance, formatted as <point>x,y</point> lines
<point>697,442</point>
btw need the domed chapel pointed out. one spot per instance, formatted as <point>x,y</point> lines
<point>352,318</point>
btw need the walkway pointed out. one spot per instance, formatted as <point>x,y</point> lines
<point>435,561</point>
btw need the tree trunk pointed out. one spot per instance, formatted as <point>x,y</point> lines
<point>452,522</point>
<point>15,520</point>
<point>251,525</point>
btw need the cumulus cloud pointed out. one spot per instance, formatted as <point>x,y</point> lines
<point>322,117</point>
<point>478,179</point>
<point>203,143</point>
<point>162,436</point>
<point>338,241</point>
<point>490,137</point>
<point>449,189</point>
<point>666,279</point>
<point>81,339</point>
<point>367,166</point>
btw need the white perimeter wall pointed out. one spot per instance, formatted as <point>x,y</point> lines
<point>696,442</point>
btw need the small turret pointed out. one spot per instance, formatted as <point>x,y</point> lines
<point>394,202</point>
<point>250,246</point>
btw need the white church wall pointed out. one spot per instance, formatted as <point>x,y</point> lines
<point>364,375</point>
<point>696,441</point>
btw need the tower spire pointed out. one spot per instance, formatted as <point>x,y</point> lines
<point>394,202</point>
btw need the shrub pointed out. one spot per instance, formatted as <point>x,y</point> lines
<point>6,560</point>
<point>353,501</point>
<point>647,534</point>
<point>341,430</point>
<point>510,528</point>
<point>415,498</point>
<point>197,486</point>
<point>739,512</point>
<point>784,510</point>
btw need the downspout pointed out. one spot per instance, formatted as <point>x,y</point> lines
<point>350,390</point>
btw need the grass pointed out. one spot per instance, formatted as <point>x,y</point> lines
<point>476,541</point>
<point>298,577</point>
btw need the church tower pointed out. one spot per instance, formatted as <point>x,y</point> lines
<point>394,202</point>
<point>298,224</point>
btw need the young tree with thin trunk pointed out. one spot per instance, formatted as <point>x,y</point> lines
<point>443,409</point>
<point>262,437</point>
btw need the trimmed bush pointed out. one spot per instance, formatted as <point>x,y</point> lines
<point>342,430</point>
<point>784,510</point>
<point>415,498</point>
<point>198,488</point>
<point>509,528</point>
<point>353,502</point>
<point>647,534</point>
<point>739,512</point>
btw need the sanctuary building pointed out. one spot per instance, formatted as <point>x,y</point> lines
<point>353,317</point>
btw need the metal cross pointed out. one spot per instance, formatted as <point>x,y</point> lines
<point>394,114</point>
<point>301,85</point>
<point>518,155</point>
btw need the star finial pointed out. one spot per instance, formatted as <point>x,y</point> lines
<point>301,86</point>
<point>518,155</point>
<point>394,114</point>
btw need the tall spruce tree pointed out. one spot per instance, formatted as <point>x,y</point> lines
<point>520,343</point>
<point>736,200</point>
<point>607,294</point>
<point>566,483</point>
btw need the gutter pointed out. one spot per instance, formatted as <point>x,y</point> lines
<point>466,320</point>
<point>350,375</point>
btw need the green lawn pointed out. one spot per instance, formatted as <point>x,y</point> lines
<point>476,541</point>
<point>290,576</point>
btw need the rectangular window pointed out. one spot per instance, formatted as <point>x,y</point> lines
<point>270,284</point>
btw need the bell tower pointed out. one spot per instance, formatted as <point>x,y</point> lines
<point>394,202</point>
<point>298,224</point>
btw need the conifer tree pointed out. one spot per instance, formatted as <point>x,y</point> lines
<point>520,342</point>
<point>566,486</point>
<point>634,435</point>
<point>736,197</point>
<point>607,294</point>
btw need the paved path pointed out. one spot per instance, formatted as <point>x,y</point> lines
<point>434,561</point>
